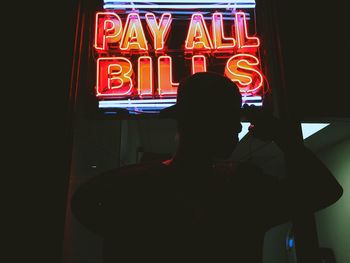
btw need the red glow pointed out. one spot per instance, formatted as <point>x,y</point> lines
<point>198,36</point>
<point>199,64</point>
<point>114,77</point>
<point>159,30</point>
<point>108,28</point>
<point>243,70</point>
<point>220,41</point>
<point>145,77</point>
<point>166,86</point>
<point>133,36</point>
<point>244,41</point>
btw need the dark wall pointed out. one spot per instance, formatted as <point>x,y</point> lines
<point>316,51</point>
<point>50,65</point>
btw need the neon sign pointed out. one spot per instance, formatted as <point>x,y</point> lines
<point>137,60</point>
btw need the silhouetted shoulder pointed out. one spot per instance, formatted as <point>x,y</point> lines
<point>139,169</point>
<point>255,194</point>
<point>244,171</point>
<point>115,195</point>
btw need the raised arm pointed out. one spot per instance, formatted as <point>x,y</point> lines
<point>308,176</point>
<point>310,185</point>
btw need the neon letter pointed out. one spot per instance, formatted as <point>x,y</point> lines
<point>133,36</point>
<point>166,87</point>
<point>159,31</point>
<point>198,36</point>
<point>199,64</point>
<point>244,41</point>
<point>218,34</point>
<point>108,29</point>
<point>145,77</point>
<point>114,77</point>
<point>241,69</point>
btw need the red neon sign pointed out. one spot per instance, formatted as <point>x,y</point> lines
<point>243,70</point>
<point>133,36</point>
<point>114,77</point>
<point>108,30</point>
<point>158,30</point>
<point>145,69</point>
<point>198,36</point>
<point>220,41</point>
<point>150,75</point>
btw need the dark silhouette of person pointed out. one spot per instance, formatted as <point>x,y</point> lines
<point>193,209</point>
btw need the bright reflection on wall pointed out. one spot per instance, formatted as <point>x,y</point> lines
<point>245,126</point>
<point>308,129</point>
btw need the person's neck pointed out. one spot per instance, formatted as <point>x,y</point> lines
<point>191,158</point>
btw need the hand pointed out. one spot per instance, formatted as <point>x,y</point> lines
<point>264,125</point>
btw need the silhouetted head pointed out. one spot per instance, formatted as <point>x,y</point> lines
<point>208,113</point>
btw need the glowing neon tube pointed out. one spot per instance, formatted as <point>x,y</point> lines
<point>251,98</point>
<point>155,104</point>
<point>184,1</point>
<point>123,105</point>
<point>177,6</point>
<point>139,101</point>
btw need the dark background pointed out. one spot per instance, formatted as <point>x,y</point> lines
<point>314,32</point>
<point>315,39</point>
